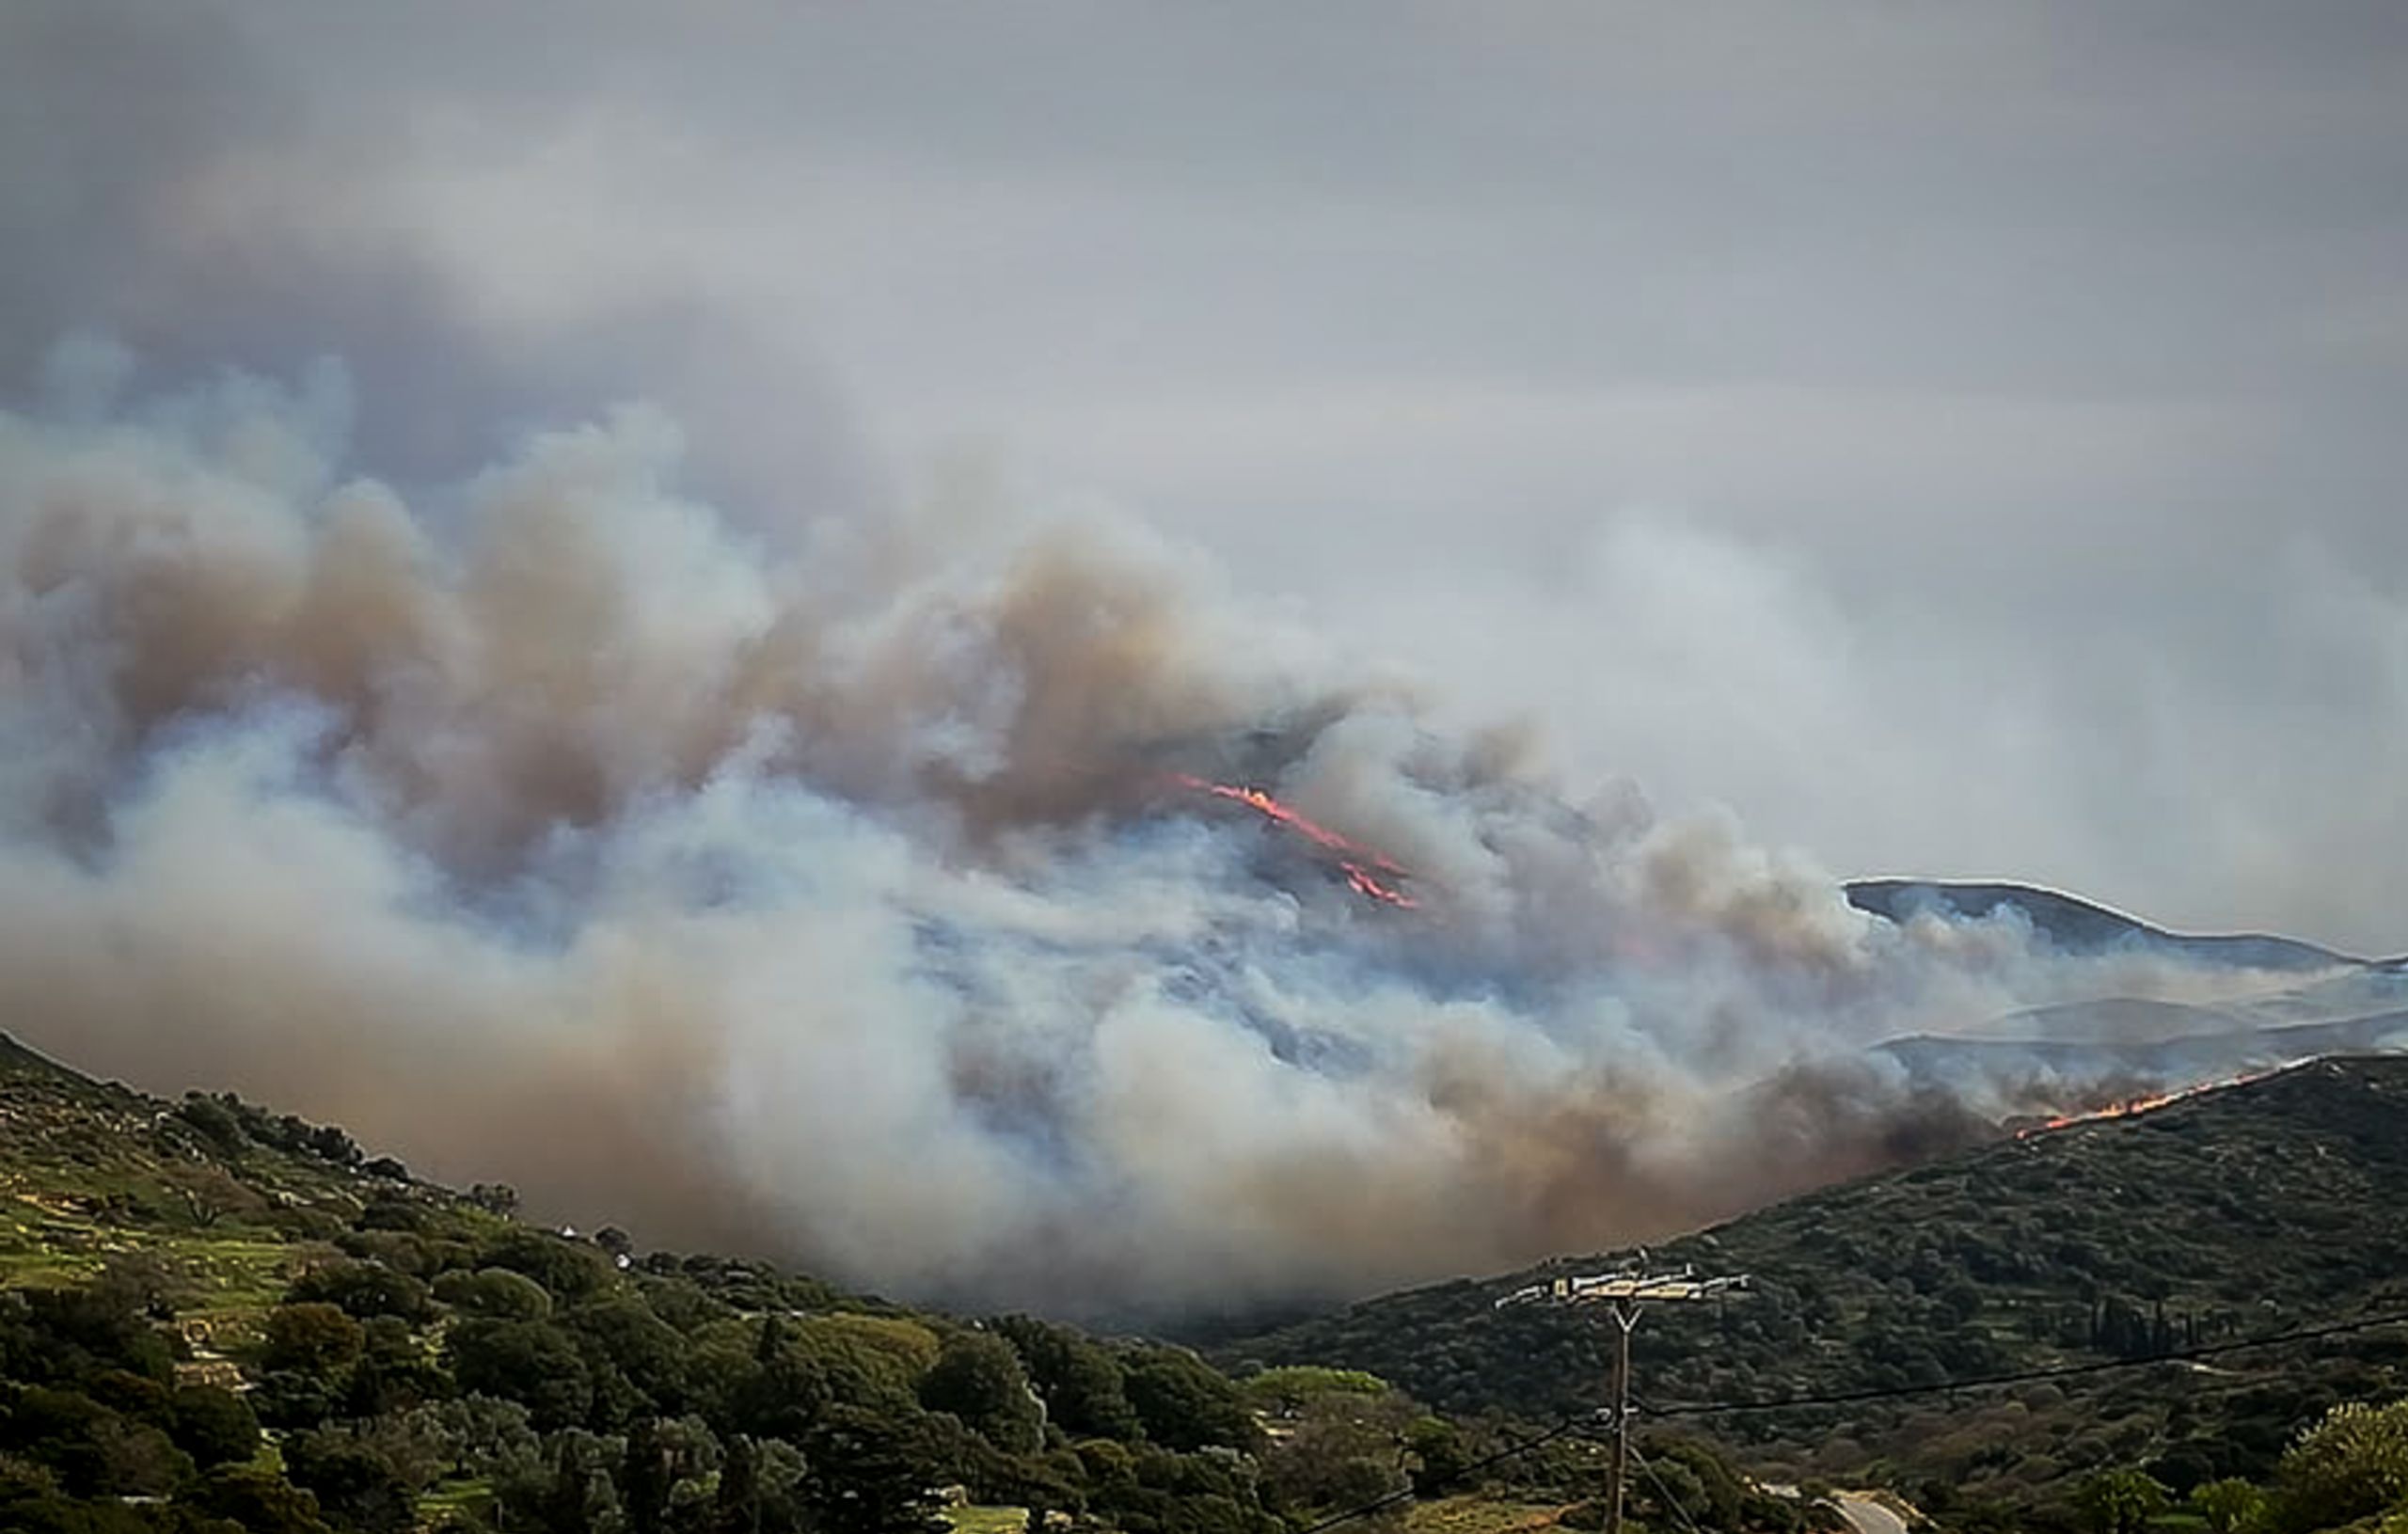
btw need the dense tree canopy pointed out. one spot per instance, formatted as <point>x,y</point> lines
<point>409,1359</point>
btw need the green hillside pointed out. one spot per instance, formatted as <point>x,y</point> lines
<point>213,1201</point>
<point>216,1319</point>
<point>2264,1209</point>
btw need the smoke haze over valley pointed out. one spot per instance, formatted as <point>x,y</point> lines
<point>681,620</point>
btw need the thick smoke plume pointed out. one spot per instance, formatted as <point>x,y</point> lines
<point>826,895</point>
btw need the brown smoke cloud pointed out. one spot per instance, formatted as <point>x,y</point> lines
<point>822,897</point>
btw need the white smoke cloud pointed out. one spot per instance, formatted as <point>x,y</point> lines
<point>554,827</point>
<point>2034,474</point>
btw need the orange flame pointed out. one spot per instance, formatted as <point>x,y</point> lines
<point>2147,1103</point>
<point>1368,873</point>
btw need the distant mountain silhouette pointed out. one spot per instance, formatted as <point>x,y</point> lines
<point>2159,1058</point>
<point>2126,1019</point>
<point>2074,925</point>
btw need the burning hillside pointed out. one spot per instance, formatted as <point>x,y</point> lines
<point>1372,875</point>
<point>734,887</point>
<point>2139,1103</point>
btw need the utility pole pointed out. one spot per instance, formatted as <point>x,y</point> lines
<point>1625,1292</point>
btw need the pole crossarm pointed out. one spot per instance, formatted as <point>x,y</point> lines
<point>1626,1291</point>
<point>1630,1287</point>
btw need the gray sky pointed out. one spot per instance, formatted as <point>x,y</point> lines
<point>1963,439</point>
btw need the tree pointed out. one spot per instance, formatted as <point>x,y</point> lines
<point>68,1334</point>
<point>288,1400</point>
<point>1043,1484</point>
<point>131,1396</point>
<point>736,1506</point>
<point>569,1271</point>
<point>585,1491</point>
<point>759,1489</point>
<point>682,1304</point>
<point>216,1123</point>
<point>207,1193</point>
<point>667,1462</point>
<point>1083,1385</point>
<point>91,1449</point>
<point>979,1379</point>
<point>352,1480</point>
<point>364,1291</point>
<point>256,1502</point>
<point>645,1476</point>
<point>780,1392</point>
<point>312,1337</point>
<point>2119,1501</point>
<point>142,1281</point>
<point>213,1425</point>
<point>330,1142</point>
<point>393,1371</point>
<point>872,1360</point>
<point>2353,1464</point>
<point>2231,1506</point>
<point>1152,1488</point>
<point>1699,1487</point>
<point>625,1343</point>
<point>1185,1404</point>
<point>31,1503</point>
<point>1438,1453</point>
<point>1344,1448</point>
<point>531,1363</point>
<point>392,1212</point>
<point>477,1435</point>
<point>867,1474</point>
<point>495,1292</point>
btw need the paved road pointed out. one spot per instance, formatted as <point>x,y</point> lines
<point>1868,1516</point>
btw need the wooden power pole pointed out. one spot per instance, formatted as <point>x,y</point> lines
<point>1625,1292</point>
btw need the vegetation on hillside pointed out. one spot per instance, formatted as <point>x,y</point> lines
<point>219,1318</point>
<point>2261,1209</point>
<point>2348,1471</point>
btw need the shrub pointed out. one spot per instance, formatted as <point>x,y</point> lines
<point>496,1293</point>
<point>365,1289</point>
<point>213,1425</point>
<point>310,1336</point>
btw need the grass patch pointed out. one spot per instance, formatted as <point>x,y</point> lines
<point>455,1497</point>
<point>1479,1515</point>
<point>977,1520</point>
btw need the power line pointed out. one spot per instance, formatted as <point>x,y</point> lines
<point>1568,1424</point>
<point>1661,1490</point>
<point>1624,1292</point>
<point>1849,1398</point>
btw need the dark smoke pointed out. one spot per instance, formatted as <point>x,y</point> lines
<point>676,829</point>
<point>551,826</point>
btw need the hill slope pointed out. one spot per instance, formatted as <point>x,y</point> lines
<point>180,1276</point>
<point>219,1200</point>
<point>2077,925</point>
<point>2181,1060</point>
<point>2258,1209</point>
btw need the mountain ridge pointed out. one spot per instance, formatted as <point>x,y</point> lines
<point>2075,925</point>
